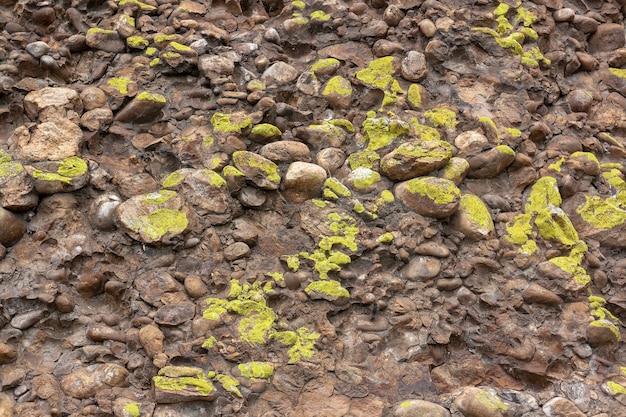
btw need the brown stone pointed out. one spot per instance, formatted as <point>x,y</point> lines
<point>608,37</point>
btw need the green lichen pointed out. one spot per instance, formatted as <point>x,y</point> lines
<point>381,132</point>
<point>604,213</point>
<point>209,342</point>
<point>159,197</point>
<point>504,149</point>
<point>338,85</point>
<point>358,207</point>
<point>215,179</point>
<point>180,47</point>
<point>502,9</point>
<point>142,6</point>
<point>615,388</point>
<point>231,171</point>
<point>329,287</point>
<point>572,264</point>
<point>302,343</point>
<point>386,196</point>
<point>426,151</point>
<point>503,24</point>
<point>256,369</point>
<point>557,165</point>
<point>133,409</point>
<point>364,178</point>
<point>216,307</point>
<point>320,16</point>
<point>147,96</point>
<point>385,238</point>
<point>160,37</point>
<point>10,168</point>
<point>94,31</point>
<point>379,74</point>
<point>441,117</point>
<point>588,156</point>
<point>293,262</point>
<point>171,55</point>
<point>424,132</point>
<point>256,85</point>
<point>337,187</point>
<point>202,386</point>
<point>299,20</point>
<point>516,133</point>
<point>137,42</point>
<point>155,62</point>
<point>229,383</point>
<point>489,124</point>
<point>50,176</point>
<point>160,222</point>
<point>72,167</point>
<point>405,404</point>
<point>618,72</point>
<point>439,190</point>
<point>324,63</point>
<point>224,123</point>
<point>173,179</point>
<point>413,95</point>
<point>318,203</point>
<point>363,159</point>
<point>256,325</point>
<point>4,157</point>
<point>525,16</point>
<point>298,4</point>
<point>455,169</point>
<point>267,167</point>
<point>477,212</point>
<point>530,33</point>
<point>607,324</point>
<point>346,124</point>
<point>151,51</point>
<point>120,83</point>
<point>266,130</point>
<point>491,401</point>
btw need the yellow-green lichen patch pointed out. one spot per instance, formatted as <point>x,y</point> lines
<point>337,187</point>
<point>301,343</point>
<point>525,16</point>
<point>490,401</point>
<point>258,320</point>
<point>266,130</point>
<point>151,51</point>
<point>442,117</point>
<point>133,409</point>
<point>293,262</point>
<point>438,190</point>
<point>557,165</point>
<point>363,159</point>
<point>385,238</point>
<point>173,179</point>
<point>506,150</point>
<point>160,222</point>
<point>230,123</point>
<point>339,86</point>
<point>346,124</point>
<point>319,203</point>
<point>358,207</point>
<point>10,168</point>
<point>94,31</point>
<point>120,83</point>
<point>501,10</point>
<point>229,383</point>
<point>424,132</point>
<point>159,197</point>
<point>201,385</point>
<point>72,167</point>
<point>256,85</point>
<point>142,5</point>
<point>147,96</point>
<point>320,16</point>
<point>266,166</point>
<point>216,307</point>
<point>215,179</point>
<point>161,37</point>
<point>329,287</point>
<point>180,47</point>
<point>231,171</point>
<point>298,19</point>
<point>413,95</point>
<point>381,132</point>
<point>477,212</point>
<point>155,62</point>
<point>298,4</point>
<point>489,126</point>
<point>4,157</point>
<point>256,369</point>
<point>324,64</point>
<point>618,72</point>
<point>603,317</point>
<point>137,42</point>
<point>455,170</point>
<point>615,388</point>
<point>572,264</point>
<point>209,342</point>
<point>50,176</point>
<point>603,213</point>
<point>364,178</point>
<point>516,133</point>
<point>379,74</point>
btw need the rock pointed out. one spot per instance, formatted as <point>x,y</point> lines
<point>195,286</point>
<point>414,67</point>
<point>91,282</point>
<point>383,47</point>
<point>105,40</point>
<point>53,140</point>
<point>16,187</point>
<point>561,407</point>
<point>151,339</point>
<point>608,37</point>
<point>102,212</point>
<point>13,228</point>
<point>415,158</point>
<point>579,100</point>
<point>338,92</point>
<point>473,218</point>
<point>419,408</point>
<point>155,217</point>
<point>455,170</point>
<point>37,49</point>
<point>93,98</point>
<point>103,333</point>
<point>324,135</point>
<point>51,103</point>
<point>535,293</point>
<point>252,197</point>
<point>215,66</point>
<point>422,268</point>
<point>331,159</point>
<point>475,402</point>
<point>432,249</point>
<point>64,176</point>
<point>286,151</point>
<point>26,320</point>
<point>303,181</point>
<point>96,119</point>
<point>564,15</point>
<point>584,214</point>
<point>7,353</point>
<point>7,405</point>
<point>265,133</point>
<point>471,142</point>
<point>329,290</point>
<point>429,196</point>
<point>279,72</point>
<point>145,107</point>
<point>175,313</point>
<point>257,169</point>
<point>356,52</point>
<point>455,374</point>
<point>175,384</point>
<point>236,251</point>
<point>85,382</point>
<point>490,163</point>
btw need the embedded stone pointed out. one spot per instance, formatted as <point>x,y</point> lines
<point>455,170</point>
<point>176,384</point>
<point>96,119</point>
<point>54,140</point>
<point>579,100</point>
<point>257,169</point>
<point>429,196</point>
<point>145,107</point>
<point>303,181</point>
<point>175,313</point>
<point>286,151</point>
<point>420,408</point>
<point>422,268</point>
<point>490,163</point>
<point>331,159</point>
<point>414,67</point>
<point>64,176</point>
<point>415,158</point>
<point>473,218</point>
<point>475,402</point>
<point>236,251</point>
<point>85,382</point>
<point>471,142</point>
<point>151,338</point>
<point>338,92</point>
<point>608,37</point>
<point>215,66</point>
<point>13,228</point>
<point>93,98</point>
<point>105,40</point>
<point>51,103</point>
<point>561,407</point>
<point>279,72</point>
<point>535,293</point>
<point>16,186</point>
<point>7,353</point>
<point>264,133</point>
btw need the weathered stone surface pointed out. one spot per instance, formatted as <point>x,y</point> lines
<point>286,151</point>
<point>304,180</point>
<point>52,103</point>
<point>422,268</point>
<point>175,313</point>
<point>145,107</point>
<point>561,407</point>
<point>473,218</point>
<point>64,176</point>
<point>55,139</point>
<point>13,228</point>
<point>175,384</point>
<point>475,402</point>
<point>471,142</point>
<point>608,37</point>
<point>338,92</point>
<point>151,338</point>
<point>105,40</point>
<point>420,408</point>
<point>414,66</point>
<point>412,159</point>
<point>453,375</point>
<point>96,119</point>
<point>490,163</point>
<point>7,405</point>
<point>85,382</point>
<point>279,72</point>
<point>257,169</point>
<point>535,293</point>
<point>429,196</point>
<point>213,66</point>
<point>7,353</point>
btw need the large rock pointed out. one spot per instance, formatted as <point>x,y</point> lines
<point>85,382</point>
<point>429,196</point>
<point>473,218</point>
<point>52,103</point>
<point>475,402</point>
<point>419,408</point>
<point>286,151</point>
<point>53,140</point>
<point>561,407</point>
<point>415,158</point>
<point>490,163</point>
<point>303,181</point>
<point>599,218</point>
<point>145,107</point>
<point>259,170</point>
<point>175,384</point>
<point>13,228</point>
<point>608,37</point>
<point>64,176</point>
<point>16,186</point>
<point>279,72</point>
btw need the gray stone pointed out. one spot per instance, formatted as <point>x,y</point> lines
<point>279,72</point>
<point>414,66</point>
<point>303,180</point>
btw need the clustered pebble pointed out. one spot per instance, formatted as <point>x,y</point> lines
<point>312,208</point>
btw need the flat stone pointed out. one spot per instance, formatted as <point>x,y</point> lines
<point>236,251</point>
<point>93,98</point>
<point>85,382</point>
<point>608,37</point>
<point>279,72</point>
<point>53,140</point>
<point>215,66</point>
<point>415,158</point>
<point>356,52</point>
<point>286,151</point>
<point>52,103</point>
<point>331,159</point>
<point>471,142</point>
<point>26,320</point>
<point>422,268</point>
<point>535,293</point>
<point>175,314</point>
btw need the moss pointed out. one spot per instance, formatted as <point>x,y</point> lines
<point>320,16</point>
<point>147,96</point>
<point>266,166</point>
<point>616,388</point>
<point>364,177</point>
<point>298,4</point>
<point>223,123</point>
<point>209,342</point>
<point>338,85</point>
<point>133,409</point>
<point>439,190</point>
<point>266,130</point>
<point>160,222</point>
<point>120,83</point>
<point>490,401</point>
<point>137,42</point>
<point>256,369</point>
<point>413,95</point>
<point>215,179</point>
<point>477,212</point>
<point>202,386</point>
<point>385,238</point>
<point>72,167</point>
<point>324,63</point>
<point>318,203</point>
<point>329,287</point>
<point>230,170</point>
<point>159,197</point>
<point>142,6</point>
<point>337,187</point>
<point>180,47</point>
<point>50,176</point>
<point>229,383</point>
<point>173,179</point>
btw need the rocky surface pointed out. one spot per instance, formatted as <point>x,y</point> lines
<point>312,208</point>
